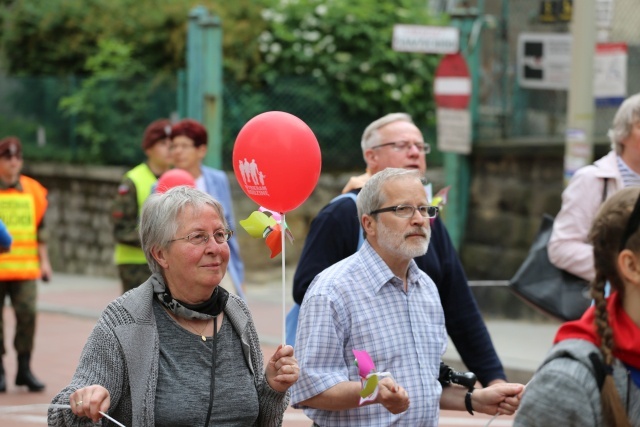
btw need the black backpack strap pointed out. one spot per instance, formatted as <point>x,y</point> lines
<point>600,370</point>
<point>604,190</point>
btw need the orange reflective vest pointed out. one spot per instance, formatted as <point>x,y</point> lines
<point>22,212</point>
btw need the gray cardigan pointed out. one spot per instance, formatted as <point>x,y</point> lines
<point>564,392</point>
<point>121,354</point>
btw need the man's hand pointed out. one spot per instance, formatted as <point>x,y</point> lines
<point>393,397</point>
<point>501,398</point>
<point>45,266</point>
<point>356,182</point>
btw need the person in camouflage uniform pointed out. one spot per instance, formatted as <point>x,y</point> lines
<point>135,187</point>
<point>23,203</point>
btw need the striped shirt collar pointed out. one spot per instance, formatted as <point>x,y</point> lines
<point>629,177</point>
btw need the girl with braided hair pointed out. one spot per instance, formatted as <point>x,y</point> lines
<point>591,376</point>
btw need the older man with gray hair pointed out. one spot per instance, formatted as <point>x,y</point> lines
<point>395,141</point>
<point>380,301</point>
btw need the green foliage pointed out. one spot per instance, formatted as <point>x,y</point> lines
<point>111,105</point>
<point>338,133</point>
<point>55,37</point>
<point>29,104</point>
<point>329,62</point>
<point>347,47</point>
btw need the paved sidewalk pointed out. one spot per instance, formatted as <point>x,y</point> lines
<point>70,305</point>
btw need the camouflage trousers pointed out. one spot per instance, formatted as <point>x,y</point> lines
<point>133,275</point>
<point>23,295</point>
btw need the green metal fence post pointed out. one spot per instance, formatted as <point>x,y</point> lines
<point>204,79</point>
<point>181,94</point>
<point>457,168</point>
<point>212,94</point>
<point>195,68</point>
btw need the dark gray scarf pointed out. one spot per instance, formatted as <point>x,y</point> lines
<point>204,311</point>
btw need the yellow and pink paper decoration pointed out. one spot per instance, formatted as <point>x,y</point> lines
<point>441,197</point>
<point>369,378</point>
<point>260,225</point>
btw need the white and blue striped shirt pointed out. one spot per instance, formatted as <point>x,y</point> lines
<point>629,177</point>
<point>359,304</point>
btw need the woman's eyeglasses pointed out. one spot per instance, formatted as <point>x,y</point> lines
<point>199,237</point>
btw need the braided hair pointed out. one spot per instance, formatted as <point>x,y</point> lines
<point>608,231</point>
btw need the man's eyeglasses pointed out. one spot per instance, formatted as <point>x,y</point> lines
<point>422,147</point>
<point>406,211</point>
<point>199,237</point>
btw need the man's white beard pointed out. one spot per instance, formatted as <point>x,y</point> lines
<point>395,243</point>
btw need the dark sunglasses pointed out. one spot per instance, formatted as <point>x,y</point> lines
<point>632,225</point>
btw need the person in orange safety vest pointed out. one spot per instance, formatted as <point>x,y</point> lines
<point>23,203</point>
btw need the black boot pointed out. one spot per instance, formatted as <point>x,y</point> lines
<point>3,382</point>
<point>25,377</point>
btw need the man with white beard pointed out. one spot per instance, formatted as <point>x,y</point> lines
<point>378,300</point>
<point>394,141</point>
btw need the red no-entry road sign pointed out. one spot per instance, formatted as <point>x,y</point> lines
<point>452,85</point>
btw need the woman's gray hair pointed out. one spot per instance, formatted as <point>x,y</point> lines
<point>159,218</point>
<point>623,121</point>
<point>371,137</point>
<point>371,197</point>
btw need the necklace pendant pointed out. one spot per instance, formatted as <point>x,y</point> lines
<point>203,338</point>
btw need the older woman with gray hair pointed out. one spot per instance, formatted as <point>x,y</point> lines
<point>178,349</point>
<point>568,247</point>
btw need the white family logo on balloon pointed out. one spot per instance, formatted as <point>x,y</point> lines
<point>253,178</point>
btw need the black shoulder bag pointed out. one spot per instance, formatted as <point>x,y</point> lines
<point>547,288</point>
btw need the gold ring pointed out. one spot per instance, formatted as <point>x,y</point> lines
<point>79,402</point>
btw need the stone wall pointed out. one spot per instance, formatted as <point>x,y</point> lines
<point>512,185</point>
<point>78,218</point>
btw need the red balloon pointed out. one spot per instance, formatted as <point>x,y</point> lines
<point>276,160</point>
<point>173,178</point>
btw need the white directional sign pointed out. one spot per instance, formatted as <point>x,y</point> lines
<point>425,39</point>
<point>454,130</point>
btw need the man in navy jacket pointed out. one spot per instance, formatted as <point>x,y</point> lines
<point>394,141</point>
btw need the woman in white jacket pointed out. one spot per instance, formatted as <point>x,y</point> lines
<point>568,247</point>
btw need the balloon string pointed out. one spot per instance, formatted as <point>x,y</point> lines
<point>284,311</point>
<point>491,420</point>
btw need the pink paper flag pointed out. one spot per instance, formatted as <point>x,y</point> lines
<point>364,362</point>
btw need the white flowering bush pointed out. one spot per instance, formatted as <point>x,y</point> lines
<point>346,45</point>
